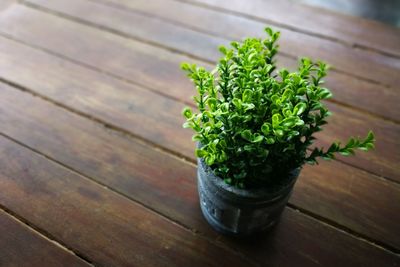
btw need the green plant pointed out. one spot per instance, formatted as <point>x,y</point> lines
<point>256,123</point>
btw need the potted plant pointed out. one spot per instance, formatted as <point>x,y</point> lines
<point>254,128</point>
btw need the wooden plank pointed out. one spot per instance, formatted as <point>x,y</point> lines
<point>95,52</point>
<point>361,63</point>
<point>345,123</point>
<point>126,165</point>
<point>328,24</point>
<point>22,246</point>
<point>105,227</point>
<point>349,90</point>
<point>159,70</point>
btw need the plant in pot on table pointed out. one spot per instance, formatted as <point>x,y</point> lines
<point>254,127</point>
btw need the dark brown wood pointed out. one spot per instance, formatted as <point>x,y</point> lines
<point>347,89</point>
<point>99,49</point>
<point>353,31</point>
<point>332,190</point>
<point>22,246</point>
<point>346,122</point>
<point>121,56</point>
<point>93,156</point>
<point>344,58</point>
<point>105,227</point>
<point>125,105</point>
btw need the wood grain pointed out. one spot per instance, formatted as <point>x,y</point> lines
<point>22,246</point>
<point>137,61</point>
<point>353,31</point>
<point>99,49</point>
<point>345,123</point>
<point>361,63</point>
<point>128,166</point>
<point>349,90</point>
<point>79,201</point>
<point>106,228</point>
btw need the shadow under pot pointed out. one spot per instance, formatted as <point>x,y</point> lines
<point>241,212</point>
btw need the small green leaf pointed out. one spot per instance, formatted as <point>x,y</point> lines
<point>287,94</point>
<point>235,45</point>
<point>301,90</point>
<point>276,120</point>
<point>210,159</point>
<point>351,142</point>
<point>283,73</point>
<point>200,153</point>
<point>222,156</point>
<point>269,31</point>
<point>223,49</point>
<point>212,103</point>
<point>187,113</point>
<point>265,129</point>
<point>247,95</point>
<point>197,138</point>
<point>367,147</point>
<point>224,107</point>
<point>270,140</point>
<point>237,102</point>
<point>324,93</point>
<point>257,139</point>
<point>370,136</point>
<point>248,148</point>
<point>345,152</point>
<point>188,124</point>
<point>278,132</point>
<point>246,134</point>
<point>289,122</point>
<point>185,66</point>
<point>299,122</point>
<point>299,108</point>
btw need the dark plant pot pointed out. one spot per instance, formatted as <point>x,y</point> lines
<point>241,212</point>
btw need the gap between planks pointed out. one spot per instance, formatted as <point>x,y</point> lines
<point>345,229</point>
<point>42,233</point>
<point>128,134</point>
<point>150,209</point>
<point>304,212</point>
<point>122,34</point>
<point>105,124</point>
<point>278,24</point>
<point>88,66</point>
<point>113,31</point>
<point>117,129</point>
<point>212,8</point>
<point>127,8</point>
<point>173,50</point>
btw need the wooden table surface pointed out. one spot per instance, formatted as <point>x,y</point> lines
<point>96,170</point>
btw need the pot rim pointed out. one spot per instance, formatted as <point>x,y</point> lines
<point>256,193</point>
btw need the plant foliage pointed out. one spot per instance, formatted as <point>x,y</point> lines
<point>254,122</point>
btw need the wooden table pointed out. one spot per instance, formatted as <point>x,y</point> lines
<point>95,169</point>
